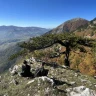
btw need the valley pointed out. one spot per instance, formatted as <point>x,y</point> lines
<point>9,37</point>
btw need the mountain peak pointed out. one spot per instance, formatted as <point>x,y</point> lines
<point>75,19</point>
<point>70,25</point>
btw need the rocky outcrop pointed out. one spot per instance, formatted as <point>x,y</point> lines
<point>61,81</point>
<point>17,68</point>
<point>80,91</point>
<point>42,79</point>
<point>14,70</point>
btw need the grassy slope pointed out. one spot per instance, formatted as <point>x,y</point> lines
<point>5,64</point>
<point>82,61</point>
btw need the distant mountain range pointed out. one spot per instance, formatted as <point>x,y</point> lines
<point>14,32</point>
<point>9,36</point>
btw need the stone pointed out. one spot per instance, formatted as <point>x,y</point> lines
<point>80,91</point>
<point>14,70</point>
<point>28,60</point>
<point>43,78</point>
<point>95,77</point>
<point>83,80</point>
<point>64,66</point>
<point>14,82</point>
<point>30,82</point>
<point>72,83</point>
<point>32,60</point>
<point>5,95</point>
<point>28,95</point>
<point>76,74</point>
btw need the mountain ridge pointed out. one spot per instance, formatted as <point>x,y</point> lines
<point>10,36</point>
<point>69,26</point>
<point>11,32</point>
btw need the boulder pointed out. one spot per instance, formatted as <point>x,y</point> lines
<point>80,91</point>
<point>95,77</point>
<point>14,82</point>
<point>32,60</point>
<point>72,83</point>
<point>14,70</point>
<point>42,79</point>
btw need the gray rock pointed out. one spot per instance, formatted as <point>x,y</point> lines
<point>83,81</point>
<point>14,70</point>
<point>14,82</point>
<point>80,91</point>
<point>76,74</point>
<point>95,77</point>
<point>72,83</point>
<point>28,95</point>
<point>30,81</point>
<point>43,78</point>
<point>5,95</point>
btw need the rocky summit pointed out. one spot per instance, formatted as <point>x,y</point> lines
<point>60,81</point>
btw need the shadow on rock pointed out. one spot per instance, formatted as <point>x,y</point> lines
<point>58,82</point>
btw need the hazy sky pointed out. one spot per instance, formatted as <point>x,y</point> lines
<point>44,13</point>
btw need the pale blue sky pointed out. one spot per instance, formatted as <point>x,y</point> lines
<point>44,13</point>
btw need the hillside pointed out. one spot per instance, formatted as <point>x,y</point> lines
<point>13,34</point>
<point>70,25</point>
<point>5,63</point>
<point>87,31</point>
<point>68,49</point>
<point>60,81</point>
<point>79,26</point>
<point>70,59</point>
<point>9,37</point>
